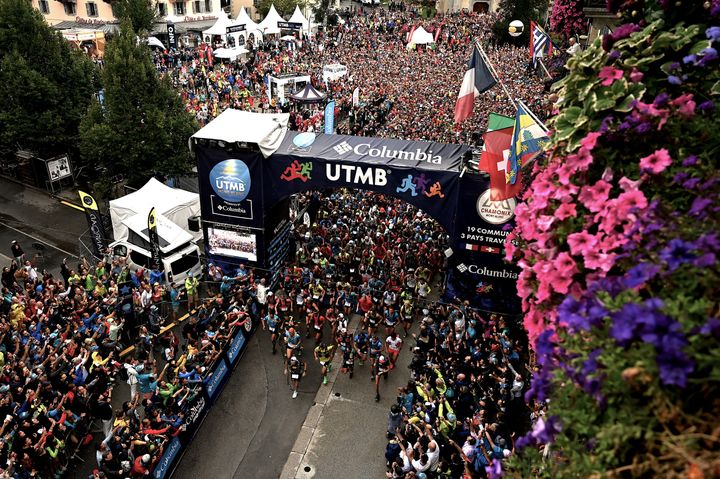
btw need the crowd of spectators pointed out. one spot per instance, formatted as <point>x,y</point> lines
<point>404,92</point>
<point>61,343</point>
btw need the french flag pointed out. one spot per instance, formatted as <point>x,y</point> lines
<point>478,78</point>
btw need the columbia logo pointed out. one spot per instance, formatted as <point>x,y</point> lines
<point>462,268</point>
<point>342,148</point>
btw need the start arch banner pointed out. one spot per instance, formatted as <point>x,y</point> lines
<point>245,186</point>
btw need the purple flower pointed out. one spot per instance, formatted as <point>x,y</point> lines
<point>623,323</point>
<point>708,55</point>
<point>691,183</point>
<point>707,106</point>
<point>572,312</point>
<point>590,365</point>
<point>689,59</point>
<point>713,33</point>
<point>712,327</point>
<point>494,470</point>
<point>640,274</point>
<point>690,160</point>
<point>674,80</point>
<point>674,369</point>
<point>661,99</point>
<point>614,55</point>
<point>708,242</point>
<point>545,431</point>
<point>699,205</point>
<point>705,261</point>
<point>677,253</point>
<point>540,386</point>
<point>680,177</point>
<point>643,128</point>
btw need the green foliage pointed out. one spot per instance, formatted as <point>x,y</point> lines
<point>142,128</point>
<point>284,7</point>
<point>523,10</point>
<point>45,85</point>
<point>142,14</point>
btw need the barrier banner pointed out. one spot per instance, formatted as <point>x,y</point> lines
<point>214,383</point>
<point>236,347</point>
<point>166,464</point>
<point>95,225</point>
<point>477,268</point>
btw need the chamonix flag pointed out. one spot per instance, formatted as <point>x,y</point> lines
<point>540,43</point>
<point>528,140</point>
<point>494,157</point>
<point>478,78</point>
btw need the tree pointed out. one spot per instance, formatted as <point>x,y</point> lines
<point>523,10</point>
<point>284,7</point>
<point>567,18</point>
<point>142,14</point>
<point>45,85</point>
<point>142,128</point>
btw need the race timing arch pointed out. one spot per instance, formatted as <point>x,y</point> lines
<point>249,164</point>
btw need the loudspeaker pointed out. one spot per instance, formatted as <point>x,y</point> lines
<point>194,224</point>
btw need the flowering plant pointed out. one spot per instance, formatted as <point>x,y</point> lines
<point>618,238</point>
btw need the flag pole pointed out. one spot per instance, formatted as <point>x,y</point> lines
<point>532,115</point>
<point>545,68</point>
<point>492,69</point>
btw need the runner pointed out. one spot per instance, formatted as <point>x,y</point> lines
<point>394,344</point>
<point>297,369</point>
<point>324,354</point>
<point>380,369</point>
<point>376,349</point>
<point>273,323</point>
<point>348,362</point>
<point>292,341</point>
<point>361,344</point>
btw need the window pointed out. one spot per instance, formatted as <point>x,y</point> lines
<point>139,259</point>
<point>92,9</point>
<point>44,7</point>
<point>70,8</point>
<point>185,263</point>
<point>179,8</point>
<point>202,6</point>
<point>162,9</point>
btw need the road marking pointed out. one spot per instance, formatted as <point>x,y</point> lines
<point>67,203</point>
<point>38,239</point>
<point>6,259</point>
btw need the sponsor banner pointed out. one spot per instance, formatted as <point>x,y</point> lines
<point>412,171</point>
<point>230,186</point>
<point>164,467</point>
<point>290,25</point>
<point>215,381</point>
<point>95,224</point>
<point>236,347</point>
<point>155,253</point>
<point>235,29</point>
<point>330,118</point>
<point>172,37</point>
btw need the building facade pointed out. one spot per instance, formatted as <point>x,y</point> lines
<point>477,6</point>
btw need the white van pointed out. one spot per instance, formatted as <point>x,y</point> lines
<point>334,71</point>
<point>179,254</point>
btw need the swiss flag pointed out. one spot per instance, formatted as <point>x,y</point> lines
<point>490,249</point>
<point>494,161</point>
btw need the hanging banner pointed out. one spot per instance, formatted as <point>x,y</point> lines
<point>356,96</point>
<point>94,220</point>
<point>155,253</point>
<point>290,25</point>
<point>172,38</point>
<point>235,29</point>
<point>330,118</point>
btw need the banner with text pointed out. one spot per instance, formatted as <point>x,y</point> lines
<point>95,226</point>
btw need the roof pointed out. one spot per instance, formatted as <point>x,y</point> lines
<point>220,26</point>
<point>269,24</point>
<point>309,94</point>
<point>157,194</point>
<point>262,129</point>
<point>298,17</point>
<point>421,37</point>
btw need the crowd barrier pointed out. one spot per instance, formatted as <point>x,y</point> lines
<point>199,407</point>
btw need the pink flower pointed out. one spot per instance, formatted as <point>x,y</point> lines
<point>565,172</point>
<point>636,75</point>
<point>582,160</point>
<point>580,243</point>
<point>631,201</point>
<point>657,162</point>
<point>590,140</point>
<point>609,75</point>
<point>686,105</point>
<point>594,197</point>
<point>600,261</point>
<point>628,185</point>
<point>566,210</point>
<point>544,222</point>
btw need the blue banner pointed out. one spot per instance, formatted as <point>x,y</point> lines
<point>164,467</point>
<point>236,347</point>
<point>330,118</point>
<point>216,380</point>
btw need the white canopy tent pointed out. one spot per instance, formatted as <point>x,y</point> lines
<point>230,53</point>
<point>220,27</point>
<point>421,37</point>
<point>269,25</point>
<point>298,17</point>
<point>154,42</point>
<point>250,27</point>
<point>170,235</point>
<point>175,204</point>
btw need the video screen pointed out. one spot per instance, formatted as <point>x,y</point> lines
<point>232,243</point>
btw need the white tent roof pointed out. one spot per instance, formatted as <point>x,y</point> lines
<point>298,17</point>
<point>175,204</point>
<point>421,37</point>
<point>171,235</point>
<point>231,126</point>
<point>269,24</point>
<point>154,42</point>
<point>244,19</point>
<point>220,26</point>
<point>229,53</point>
